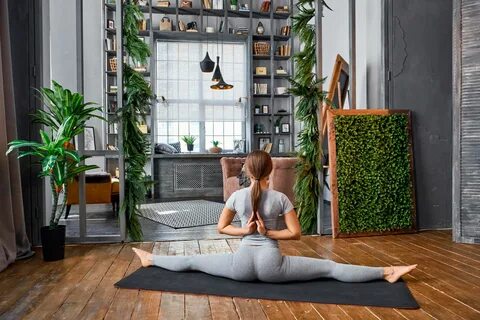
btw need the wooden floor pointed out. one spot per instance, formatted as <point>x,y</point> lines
<point>446,283</point>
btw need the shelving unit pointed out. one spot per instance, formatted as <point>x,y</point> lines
<point>272,22</point>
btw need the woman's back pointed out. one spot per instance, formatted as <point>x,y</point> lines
<point>272,206</point>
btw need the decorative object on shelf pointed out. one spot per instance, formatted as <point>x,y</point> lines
<point>276,125</point>
<point>113,89</point>
<point>281,146</point>
<point>209,29</point>
<point>207,4</point>
<point>142,25</point>
<point>220,27</point>
<point>143,128</point>
<point>233,4</point>
<point>265,6</point>
<point>239,146</point>
<point>281,90</point>
<point>242,31</point>
<point>285,30</point>
<point>192,26</point>
<point>110,24</point>
<point>262,142</point>
<point>265,108</point>
<point>260,28</point>
<point>112,147</point>
<point>244,7</point>
<point>260,88</point>
<point>112,62</point>
<point>163,4</point>
<point>261,71</point>
<point>112,106</point>
<point>140,68</point>
<point>285,127</point>
<point>165,24</point>
<point>257,109</point>
<point>215,148</point>
<point>231,30</point>
<point>189,140</point>
<point>280,71</point>
<point>89,138</point>
<point>282,111</point>
<point>186,4</point>
<point>261,48</point>
<point>259,128</point>
<point>143,3</point>
<point>282,9</point>
<point>181,25</point>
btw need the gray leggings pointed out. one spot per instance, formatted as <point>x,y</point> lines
<point>267,264</point>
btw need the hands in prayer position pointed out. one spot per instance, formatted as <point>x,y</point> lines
<point>255,223</point>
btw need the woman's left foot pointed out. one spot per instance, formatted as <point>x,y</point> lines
<point>145,257</point>
<point>393,273</point>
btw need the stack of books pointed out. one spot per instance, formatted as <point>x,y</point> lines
<point>283,50</point>
<point>282,9</point>
<point>242,30</point>
<point>207,4</point>
<point>260,88</point>
<point>285,30</point>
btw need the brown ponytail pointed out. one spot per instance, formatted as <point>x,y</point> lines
<point>259,165</point>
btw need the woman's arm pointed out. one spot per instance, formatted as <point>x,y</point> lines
<point>224,224</point>
<point>293,231</point>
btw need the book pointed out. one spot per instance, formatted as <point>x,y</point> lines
<point>163,4</point>
<point>207,4</point>
<point>265,6</point>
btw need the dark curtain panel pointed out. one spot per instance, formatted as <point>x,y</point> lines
<point>13,239</point>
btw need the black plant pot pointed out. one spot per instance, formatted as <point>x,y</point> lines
<point>190,147</point>
<point>53,243</point>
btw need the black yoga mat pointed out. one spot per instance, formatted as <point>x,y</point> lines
<point>374,293</point>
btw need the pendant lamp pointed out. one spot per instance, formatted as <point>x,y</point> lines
<point>217,75</point>
<point>207,64</point>
<point>221,85</point>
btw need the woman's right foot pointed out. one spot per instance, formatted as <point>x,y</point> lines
<point>393,273</point>
<point>145,257</point>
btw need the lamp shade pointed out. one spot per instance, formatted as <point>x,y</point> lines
<point>207,64</point>
<point>217,75</point>
<point>221,85</point>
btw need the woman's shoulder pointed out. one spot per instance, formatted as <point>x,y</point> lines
<point>275,193</point>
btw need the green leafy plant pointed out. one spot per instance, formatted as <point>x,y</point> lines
<point>305,86</point>
<point>189,139</point>
<point>58,163</point>
<point>373,173</point>
<point>216,143</point>
<point>137,99</point>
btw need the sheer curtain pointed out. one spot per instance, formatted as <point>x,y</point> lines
<point>13,238</point>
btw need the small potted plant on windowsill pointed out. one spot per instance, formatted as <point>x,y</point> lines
<point>65,116</point>
<point>215,148</point>
<point>189,140</point>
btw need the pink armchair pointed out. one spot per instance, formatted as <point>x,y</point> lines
<point>282,177</point>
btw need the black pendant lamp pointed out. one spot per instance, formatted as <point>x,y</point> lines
<point>221,85</point>
<point>217,75</point>
<point>207,64</point>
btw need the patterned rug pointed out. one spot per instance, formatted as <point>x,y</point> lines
<point>184,214</point>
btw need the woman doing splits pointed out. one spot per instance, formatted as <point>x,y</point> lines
<point>262,211</point>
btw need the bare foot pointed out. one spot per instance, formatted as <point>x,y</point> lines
<point>145,257</point>
<point>393,273</point>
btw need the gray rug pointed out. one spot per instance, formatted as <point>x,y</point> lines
<point>184,214</point>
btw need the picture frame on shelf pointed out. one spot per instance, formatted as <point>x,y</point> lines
<point>262,71</point>
<point>263,142</point>
<point>89,136</point>
<point>265,108</point>
<point>143,3</point>
<point>285,128</point>
<point>113,106</point>
<point>110,24</point>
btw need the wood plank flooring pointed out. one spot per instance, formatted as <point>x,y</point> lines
<point>446,283</point>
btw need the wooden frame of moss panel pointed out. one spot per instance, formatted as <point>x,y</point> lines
<point>391,207</point>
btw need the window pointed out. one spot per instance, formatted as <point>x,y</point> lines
<point>193,108</point>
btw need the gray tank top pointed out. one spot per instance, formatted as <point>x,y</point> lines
<point>272,206</point>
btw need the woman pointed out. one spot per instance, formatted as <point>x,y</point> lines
<point>262,211</point>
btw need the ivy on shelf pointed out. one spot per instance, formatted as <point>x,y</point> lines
<point>137,98</point>
<point>305,85</point>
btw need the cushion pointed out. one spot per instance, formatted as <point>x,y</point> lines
<point>177,146</point>
<point>164,148</point>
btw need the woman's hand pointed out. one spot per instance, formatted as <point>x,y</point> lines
<point>260,225</point>
<point>251,225</point>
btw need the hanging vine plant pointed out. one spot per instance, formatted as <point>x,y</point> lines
<point>305,85</point>
<point>137,98</point>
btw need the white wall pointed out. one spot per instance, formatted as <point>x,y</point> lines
<point>369,48</point>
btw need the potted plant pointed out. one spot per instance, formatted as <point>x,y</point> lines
<point>233,4</point>
<point>277,124</point>
<point>65,115</point>
<point>189,140</point>
<point>215,148</point>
